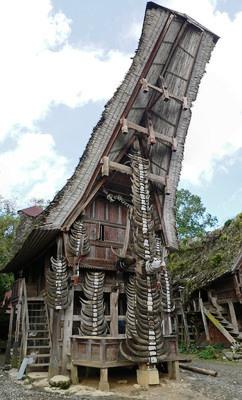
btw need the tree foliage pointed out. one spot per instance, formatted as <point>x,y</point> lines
<point>8,224</point>
<point>191,217</point>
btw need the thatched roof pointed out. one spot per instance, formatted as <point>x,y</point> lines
<point>187,62</point>
<point>173,46</point>
<point>200,262</point>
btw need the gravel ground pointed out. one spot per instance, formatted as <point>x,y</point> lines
<point>226,386</point>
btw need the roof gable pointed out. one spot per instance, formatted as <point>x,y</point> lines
<point>170,43</point>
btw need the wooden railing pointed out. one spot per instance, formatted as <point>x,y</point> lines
<point>16,289</point>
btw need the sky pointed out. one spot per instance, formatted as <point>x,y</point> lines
<point>61,61</point>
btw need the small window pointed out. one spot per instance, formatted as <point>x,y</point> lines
<point>101,232</point>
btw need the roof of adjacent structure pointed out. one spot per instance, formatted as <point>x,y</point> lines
<point>33,211</point>
<point>200,262</point>
<point>173,46</point>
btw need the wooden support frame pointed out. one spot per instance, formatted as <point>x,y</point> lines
<point>114,312</point>
<point>108,165</point>
<point>219,326</point>
<point>163,91</point>
<point>204,319</point>
<point>79,204</point>
<point>150,132</point>
<point>233,315</point>
<point>68,322</point>
<point>10,334</point>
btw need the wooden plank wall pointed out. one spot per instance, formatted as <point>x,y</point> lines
<point>105,223</point>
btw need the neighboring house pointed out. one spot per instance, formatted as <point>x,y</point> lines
<point>208,272</point>
<point>91,285</point>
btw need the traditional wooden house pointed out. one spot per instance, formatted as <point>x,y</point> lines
<point>207,276</point>
<point>91,284</point>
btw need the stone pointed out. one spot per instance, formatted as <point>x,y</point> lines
<point>29,386</point>
<point>122,381</point>
<point>40,383</point>
<point>13,373</point>
<point>60,381</point>
<point>228,355</point>
<point>35,376</point>
<point>148,376</point>
<point>136,386</point>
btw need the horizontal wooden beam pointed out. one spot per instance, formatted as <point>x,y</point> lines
<point>108,166</point>
<point>126,124</point>
<point>163,91</point>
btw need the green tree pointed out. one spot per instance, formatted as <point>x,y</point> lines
<point>8,224</point>
<point>192,220</point>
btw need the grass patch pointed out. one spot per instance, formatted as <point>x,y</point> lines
<point>210,352</point>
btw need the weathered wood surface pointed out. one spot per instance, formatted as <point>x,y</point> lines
<point>204,319</point>
<point>67,332</point>
<point>219,326</point>
<point>55,355</point>
<point>124,169</point>
<point>97,352</point>
<point>198,370</point>
<point>233,315</point>
<point>172,55</point>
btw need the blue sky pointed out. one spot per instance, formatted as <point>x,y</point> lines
<point>62,62</point>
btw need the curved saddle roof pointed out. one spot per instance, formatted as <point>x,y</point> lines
<point>160,87</point>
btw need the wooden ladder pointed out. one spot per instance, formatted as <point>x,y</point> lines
<point>38,341</point>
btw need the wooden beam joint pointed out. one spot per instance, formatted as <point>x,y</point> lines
<point>164,93</point>
<point>108,165</point>
<point>152,135</point>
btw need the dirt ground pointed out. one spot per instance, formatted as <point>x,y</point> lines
<point>226,386</point>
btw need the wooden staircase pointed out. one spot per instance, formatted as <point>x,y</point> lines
<point>38,340</point>
<point>217,314</point>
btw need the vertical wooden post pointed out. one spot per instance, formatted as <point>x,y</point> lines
<point>9,342</point>
<point>186,330</point>
<point>233,315</point>
<point>74,374</point>
<point>114,313</point>
<point>204,320</point>
<point>19,311</point>
<point>55,351</point>
<point>103,383</point>
<point>173,370</point>
<point>68,320</point>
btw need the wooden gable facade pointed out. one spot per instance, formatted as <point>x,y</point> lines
<point>92,287</point>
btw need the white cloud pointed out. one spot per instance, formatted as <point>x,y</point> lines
<point>33,168</point>
<point>134,31</point>
<point>216,127</point>
<point>41,69</point>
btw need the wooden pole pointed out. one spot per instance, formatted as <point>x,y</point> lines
<point>68,321</point>
<point>199,370</point>
<point>204,320</point>
<point>9,342</point>
<point>186,330</point>
<point>55,351</point>
<point>233,315</point>
<point>114,313</point>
